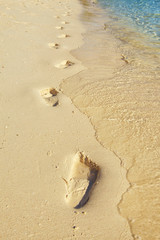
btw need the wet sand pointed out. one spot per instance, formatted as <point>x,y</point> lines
<point>41,130</point>
<point>119,92</point>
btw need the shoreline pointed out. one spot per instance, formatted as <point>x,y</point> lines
<point>69,87</point>
<point>119,94</point>
<point>39,141</point>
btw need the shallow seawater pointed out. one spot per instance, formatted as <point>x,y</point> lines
<point>143,15</point>
<point>120,93</point>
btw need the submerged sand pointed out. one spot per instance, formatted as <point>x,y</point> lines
<point>39,141</point>
<point>119,92</point>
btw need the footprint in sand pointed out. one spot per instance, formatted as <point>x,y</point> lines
<point>59,27</point>
<point>64,22</point>
<point>66,14</point>
<point>83,176</point>
<point>50,96</point>
<point>64,64</point>
<point>63,36</point>
<point>53,45</point>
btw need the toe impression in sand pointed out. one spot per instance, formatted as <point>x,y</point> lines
<point>83,177</point>
<point>50,96</point>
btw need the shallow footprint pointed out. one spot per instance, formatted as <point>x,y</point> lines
<point>59,27</point>
<point>83,176</point>
<point>63,36</point>
<point>50,96</point>
<point>66,14</point>
<point>64,64</point>
<point>53,45</point>
<point>64,22</point>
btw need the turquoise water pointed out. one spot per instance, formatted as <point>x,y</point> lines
<point>144,15</point>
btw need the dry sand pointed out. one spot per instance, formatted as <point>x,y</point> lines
<point>38,142</point>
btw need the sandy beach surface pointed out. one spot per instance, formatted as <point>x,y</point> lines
<point>119,92</point>
<point>38,142</point>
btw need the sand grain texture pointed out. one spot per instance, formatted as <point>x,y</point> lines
<point>120,93</point>
<point>38,142</point>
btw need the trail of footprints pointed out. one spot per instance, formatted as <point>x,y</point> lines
<point>64,63</point>
<point>50,95</point>
<point>84,172</point>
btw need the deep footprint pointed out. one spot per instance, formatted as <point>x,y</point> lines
<point>50,96</point>
<point>83,176</point>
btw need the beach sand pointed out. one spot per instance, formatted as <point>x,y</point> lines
<point>119,92</point>
<point>41,131</point>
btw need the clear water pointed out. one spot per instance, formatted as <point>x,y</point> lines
<point>120,93</point>
<point>144,15</point>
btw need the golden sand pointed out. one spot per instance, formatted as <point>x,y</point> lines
<point>38,140</point>
<point>119,92</point>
